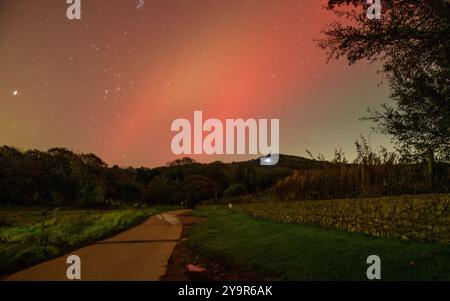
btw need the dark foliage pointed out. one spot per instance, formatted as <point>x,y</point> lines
<point>59,177</point>
<point>412,42</point>
<point>372,174</point>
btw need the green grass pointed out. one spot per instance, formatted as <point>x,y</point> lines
<point>299,252</point>
<point>24,243</point>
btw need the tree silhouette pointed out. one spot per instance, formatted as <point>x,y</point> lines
<point>412,41</point>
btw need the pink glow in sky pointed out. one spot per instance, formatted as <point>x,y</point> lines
<point>113,82</point>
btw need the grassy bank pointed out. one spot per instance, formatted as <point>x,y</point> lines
<point>299,252</point>
<point>26,237</point>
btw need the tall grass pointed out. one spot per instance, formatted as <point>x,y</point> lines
<point>356,180</point>
<point>372,174</point>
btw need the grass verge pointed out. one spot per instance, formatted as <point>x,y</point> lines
<point>26,238</point>
<point>300,252</point>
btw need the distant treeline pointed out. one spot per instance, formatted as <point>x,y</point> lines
<point>60,177</point>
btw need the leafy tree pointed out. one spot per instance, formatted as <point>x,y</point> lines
<point>412,42</point>
<point>8,151</point>
<point>159,191</point>
<point>198,187</point>
<point>182,162</point>
<point>421,121</point>
<point>93,161</point>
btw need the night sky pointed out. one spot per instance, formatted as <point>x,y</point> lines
<point>113,82</point>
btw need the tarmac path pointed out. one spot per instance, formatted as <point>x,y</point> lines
<point>138,254</point>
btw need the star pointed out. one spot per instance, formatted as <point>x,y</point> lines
<point>15,93</point>
<point>140,4</point>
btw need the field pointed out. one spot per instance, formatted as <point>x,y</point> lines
<point>28,237</point>
<point>300,252</point>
